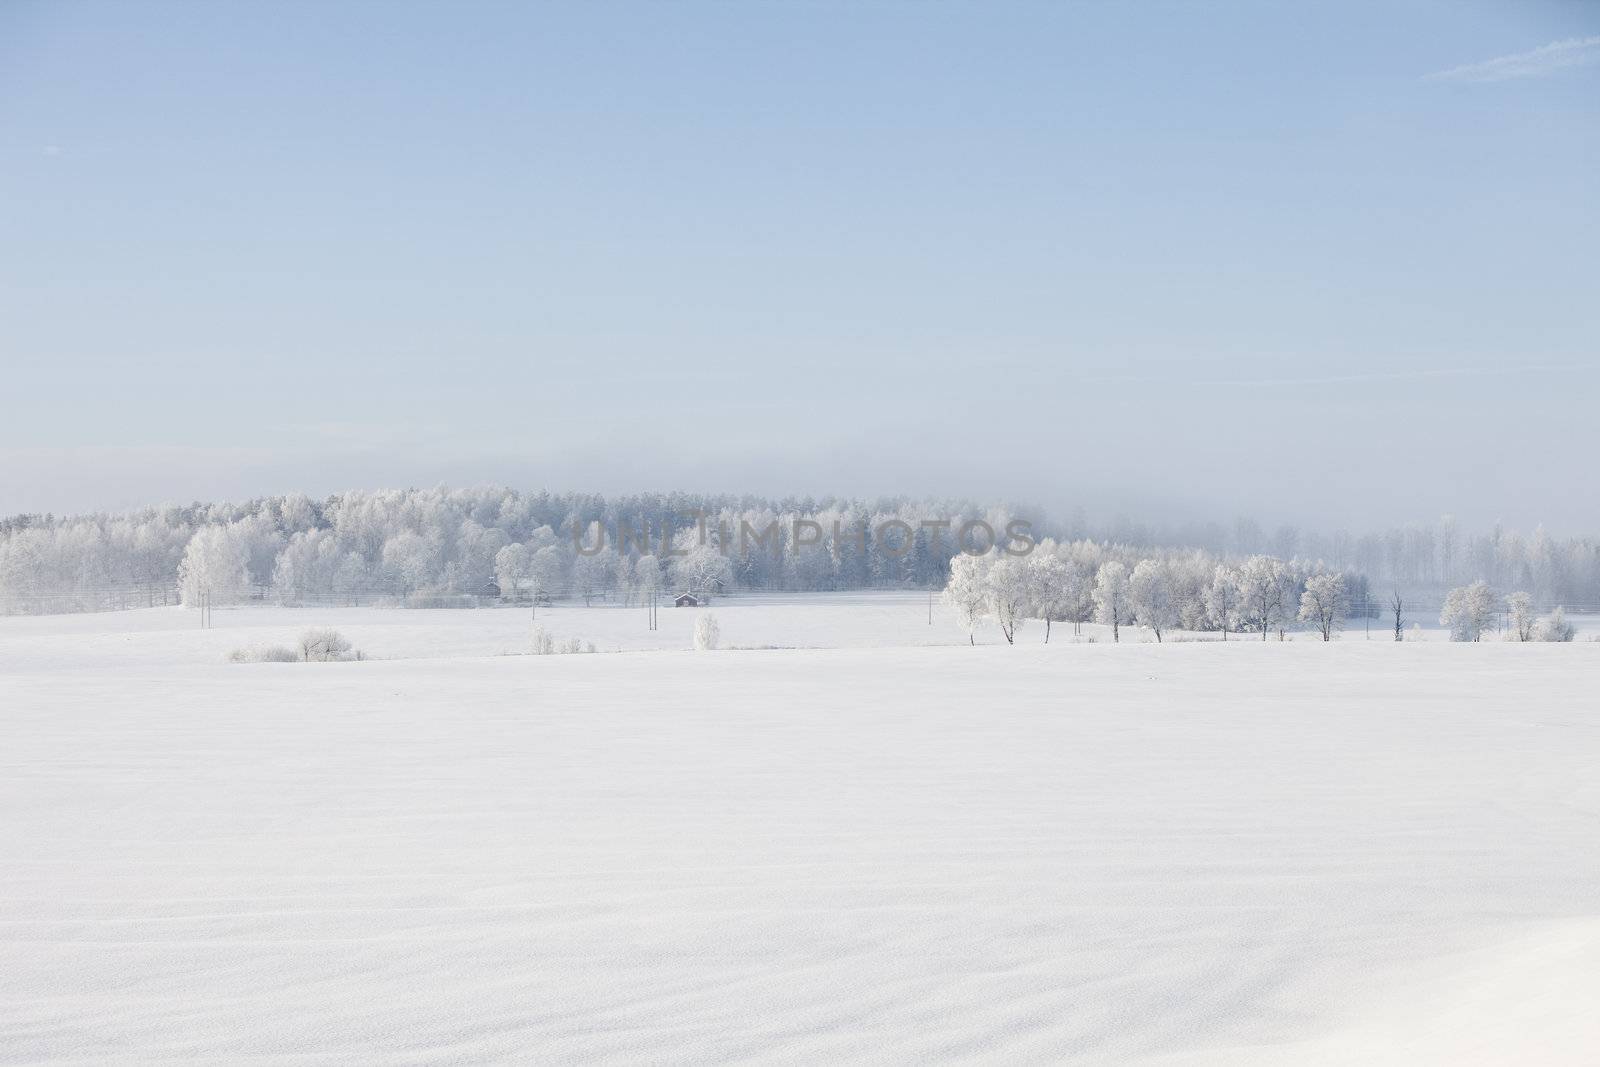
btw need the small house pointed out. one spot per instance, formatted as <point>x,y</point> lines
<point>686,600</point>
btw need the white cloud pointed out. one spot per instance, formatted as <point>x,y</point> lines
<point>1546,59</point>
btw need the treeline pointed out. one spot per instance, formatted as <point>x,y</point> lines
<point>433,544</point>
<point>417,545</point>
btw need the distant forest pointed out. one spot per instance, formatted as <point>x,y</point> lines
<point>442,545</point>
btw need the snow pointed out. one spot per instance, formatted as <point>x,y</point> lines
<point>1188,853</point>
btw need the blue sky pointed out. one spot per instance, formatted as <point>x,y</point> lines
<point>1333,263</point>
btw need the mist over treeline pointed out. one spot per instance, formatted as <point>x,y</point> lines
<point>441,543</point>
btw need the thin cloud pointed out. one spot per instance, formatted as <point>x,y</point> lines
<point>1546,59</point>
<point>1356,378</point>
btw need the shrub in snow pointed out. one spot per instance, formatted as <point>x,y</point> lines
<point>324,646</point>
<point>1416,631</point>
<point>1554,627</point>
<point>706,632</point>
<point>271,654</point>
<point>441,600</point>
<point>545,644</point>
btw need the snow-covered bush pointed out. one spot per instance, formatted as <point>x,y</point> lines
<point>545,644</point>
<point>706,632</point>
<point>269,654</point>
<point>440,600</point>
<point>325,646</point>
<point>1554,627</point>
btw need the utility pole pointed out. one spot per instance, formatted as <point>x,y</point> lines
<point>930,607</point>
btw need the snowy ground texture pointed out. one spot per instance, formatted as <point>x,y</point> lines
<point>1076,853</point>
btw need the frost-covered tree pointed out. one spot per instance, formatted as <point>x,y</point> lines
<point>1555,627</point>
<point>414,560</point>
<point>511,569</point>
<point>1520,613</point>
<point>1191,579</point>
<point>1009,586</point>
<point>1261,592</point>
<point>1469,611</point>
<point>1055,586</point>
<point>646,577</point>
<point>305,566</point>
<point>1222,599</point>
<point>1323,603</point>
<point>620,577</point>
<point>1150,597</point>
<point>545,567</point>
<point>215,566</point>
<point>702,569</point>
<point>589,575</point>
<point>1111,596</point>
<point>967,591</point>
<point>25,562</point>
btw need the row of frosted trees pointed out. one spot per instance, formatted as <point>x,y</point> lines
<point>1428,559</point>
<point>1194,591</point>
<point>1474,611</point>
<point>1119,587</point>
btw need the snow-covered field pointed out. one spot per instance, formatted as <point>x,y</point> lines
<point>844,848</point>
